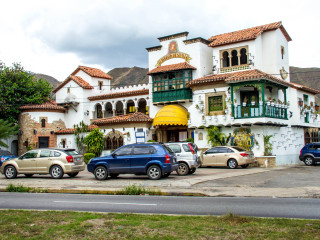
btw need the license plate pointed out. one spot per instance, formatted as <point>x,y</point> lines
<point>78,159</point>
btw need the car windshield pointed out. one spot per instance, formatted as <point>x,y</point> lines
<point>167,148</point>
<point>240,149</point>
<point>71,152</point>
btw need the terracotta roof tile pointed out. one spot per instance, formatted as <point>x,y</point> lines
<point>82,83</point>
<point>305,88</point>
<point>129,118</point>
<point>50,106</point>
<point>93,72</point>
<point>246,34</point>
<point>71,130</point>
<point>120,94</point>
<point>172,67</point>
<point>239,76</point>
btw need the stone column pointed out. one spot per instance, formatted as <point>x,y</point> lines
<point>114,112</point>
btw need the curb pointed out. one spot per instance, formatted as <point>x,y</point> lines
<point>109,192</point>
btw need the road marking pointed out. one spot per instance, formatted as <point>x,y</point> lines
<point>138,204</point>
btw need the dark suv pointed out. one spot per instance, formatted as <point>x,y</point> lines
<point>153,159</point>
<point>310,154</point>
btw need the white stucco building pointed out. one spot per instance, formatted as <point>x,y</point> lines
<point>238,81</point>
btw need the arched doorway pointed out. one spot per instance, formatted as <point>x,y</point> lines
<point>109,111</point>
<point>98,111</point>
<point>119,108</point>
<point>130,106</point>
<point>142,106</point>
<point>14,147</point>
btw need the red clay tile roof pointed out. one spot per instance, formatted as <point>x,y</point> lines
<point>82,83</point>
<point>93,72</point>
<point>120,94</point>
<point>129,118</point>
<point>50,106</point>
<point>172,67</point>
<point>71,130</point>
<point>240,76</point>
<point>246,34</point>
<point>305,88</point>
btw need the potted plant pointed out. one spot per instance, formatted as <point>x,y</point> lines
<point>253,100</point>
<point>273,102</point>
<point>300,102</point>
<point>245,100</point>
<point>269,101</point>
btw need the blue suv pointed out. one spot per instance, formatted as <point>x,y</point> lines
<point>153,159</point>
<point>310,154</point>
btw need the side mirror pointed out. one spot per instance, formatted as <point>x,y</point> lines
<point>113,155</point>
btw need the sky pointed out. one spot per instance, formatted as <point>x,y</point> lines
<point>55,37</point>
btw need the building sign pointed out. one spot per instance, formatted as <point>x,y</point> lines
<point>242,137</point>
<point>173,52</point>
<point>140,137</point>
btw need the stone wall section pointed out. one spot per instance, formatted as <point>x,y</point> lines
<point>30,138</point>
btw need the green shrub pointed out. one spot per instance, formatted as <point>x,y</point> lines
<point>190,140</point>
<point>88,157</point>
<point>151,140</point>
<point>18,188</point>
<point>94,142</point>
<point>138,190</point>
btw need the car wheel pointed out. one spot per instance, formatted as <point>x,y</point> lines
<point>56,172</point>
<point>245,165</point>
<point>232,163</point>
<point>10,172</point>
<point>28,175</point>
<point>154,172</point>
<point>101,173</point>
<point>73,174</point>
<point>192,170</point>
<point>308,161</point>
<point>114,175</point>
<point>183,169</point>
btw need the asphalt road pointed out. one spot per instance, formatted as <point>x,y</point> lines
<point>259,207</point>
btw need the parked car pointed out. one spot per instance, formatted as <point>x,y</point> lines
<point>232,157</point>
<point>55,162</point>
<point>153,159</point>
<point>310,154</point>
<point>5,155</point>
<point>187,157</point>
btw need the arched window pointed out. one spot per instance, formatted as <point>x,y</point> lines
<point>243,56</point>
<point>130,107</point>
<point>119,108</point>
<point>43,123</point>
<point>225,59</point>
<point>114,143</point>
<point>99,111</point>
<point>234,58</point>
<point>109,112</point>
<point>120,141</point>
<point>142,106</point>
<point>108,143</point>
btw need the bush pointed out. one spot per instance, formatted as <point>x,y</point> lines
<point>94,142</point>
<point>151,140</point>
<point>138,190</point>
<point>88,157</point>
<point>190,140</point>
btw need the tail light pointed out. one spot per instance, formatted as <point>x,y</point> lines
<point>69,159</point>
<point>2,159</point>
<point>191,148</point>
<point>167,159</point>
<point>244,154</point>
<point>301,152</point>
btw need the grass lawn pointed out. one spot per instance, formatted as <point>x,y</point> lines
<point>18,224</point>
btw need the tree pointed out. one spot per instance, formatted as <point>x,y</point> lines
<point>217,138</point>
<point>18,88</point>
<point>7,130</point>
<point>79,133</point>
<point>94,142</point>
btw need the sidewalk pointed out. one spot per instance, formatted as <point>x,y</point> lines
<point>173,185</point>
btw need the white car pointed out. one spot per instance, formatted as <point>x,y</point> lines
<point>187,157</point>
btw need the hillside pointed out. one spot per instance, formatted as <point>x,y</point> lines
<point>53,82</point>
<point>128,76</point>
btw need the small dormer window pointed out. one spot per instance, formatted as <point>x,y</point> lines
<point>100,84</point>
<point>43,123</point>
<point>282,51</point>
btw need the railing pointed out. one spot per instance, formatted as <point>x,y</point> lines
<point>172,95</point>
<point>255,111</point>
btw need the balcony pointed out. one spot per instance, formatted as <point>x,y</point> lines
<point>172,95</point>
<point>262,110</point>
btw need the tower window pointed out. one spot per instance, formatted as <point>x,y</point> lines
<point>43,123</point>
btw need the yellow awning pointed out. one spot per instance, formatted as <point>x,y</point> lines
<point>171,115</point>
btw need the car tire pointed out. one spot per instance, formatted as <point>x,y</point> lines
<point>192,170</point>
<point>56,172</point>
<point>308,161</point>
<point>183,169</point>
<point>73,174</point>
<point>101,173</point>
<point>245,165</point>
<point>28,175</point>
<point>232,163</point>
<point>10,172</point>
<point>154,172</point>
<point>114,175</point>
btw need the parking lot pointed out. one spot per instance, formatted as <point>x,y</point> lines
<point>298,181</point>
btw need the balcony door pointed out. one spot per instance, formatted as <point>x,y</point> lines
<point>249,96</point>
